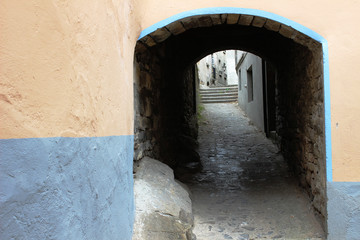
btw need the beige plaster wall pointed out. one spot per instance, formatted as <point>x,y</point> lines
<point>338,22</point>
<point>66,68</point>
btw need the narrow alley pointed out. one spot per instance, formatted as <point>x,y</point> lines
<point>245,190</point>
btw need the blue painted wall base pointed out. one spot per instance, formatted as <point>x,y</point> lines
<point>343,210</point>
<point>67,188</point>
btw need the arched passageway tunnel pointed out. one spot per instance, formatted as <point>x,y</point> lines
<point>165,90</point>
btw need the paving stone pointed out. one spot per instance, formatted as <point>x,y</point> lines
<point>227,236</point>
<point>248,190</point>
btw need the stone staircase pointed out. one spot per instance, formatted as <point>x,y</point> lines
<point>219,94</point>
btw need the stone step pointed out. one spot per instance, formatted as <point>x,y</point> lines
<point>230,86</point>
<point>218,97</point>
<point>219,101</point>
<point>219,91</point>
<point>219,94</point>
<point>222,89</point>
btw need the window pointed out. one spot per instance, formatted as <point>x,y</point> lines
<point>250,84</point>
<point>214,72</point>
<point>239,78</point>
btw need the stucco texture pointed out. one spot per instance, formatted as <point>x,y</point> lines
<point>66,68</point>
<point>343,210</point>
<point>66,188</point>
<point>67,71</point>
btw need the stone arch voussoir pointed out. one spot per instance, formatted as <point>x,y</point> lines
<point>210,20</point>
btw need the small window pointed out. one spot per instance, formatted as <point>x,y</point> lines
<point>250,84</point>
<point>239,78</point>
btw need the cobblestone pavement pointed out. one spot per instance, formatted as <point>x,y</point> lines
<point>245,190</point>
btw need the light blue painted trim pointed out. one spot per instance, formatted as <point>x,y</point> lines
<point>277,18</point>
<point>327,107</point>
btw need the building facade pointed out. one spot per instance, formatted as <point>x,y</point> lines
<point>67,102</point>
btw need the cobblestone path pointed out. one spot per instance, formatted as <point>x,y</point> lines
<point>245,190</point>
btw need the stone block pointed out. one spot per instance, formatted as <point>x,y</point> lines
<point>232,18</point>
<point>148,108</point>
<point>272,25</point>
<point>149,135</point>
<point>286,31</point>
<point>258,22</point>
<point>138,154</point>
<point>147,81</point>
<point>245,20</point>
<point>160,35</point>
<point>216,19</point>
<point>190,22</point>
<point>140,136</point>
<point>162,206</point>
<point>147,145</point>
<point>145,108</point>
<point>140,47</point>
<point>303,39</point>
<point>205,21</point>
<point>176,28</point>
<point>223,18</point>
<point>148,41</point>
<point>144,123</point>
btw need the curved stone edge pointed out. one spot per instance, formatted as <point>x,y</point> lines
<point>163,208</point>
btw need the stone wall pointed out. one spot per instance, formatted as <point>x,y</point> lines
<point>66,146</point>
<point>300,119</point>
<point>165,107</point>
<point>146,103</point>
<point>299,95</point>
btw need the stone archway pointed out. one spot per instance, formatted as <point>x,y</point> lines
<point>165,122</point>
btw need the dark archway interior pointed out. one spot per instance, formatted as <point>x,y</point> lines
<point>165,98</point>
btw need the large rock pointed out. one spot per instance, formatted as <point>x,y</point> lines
<point>163,206</point>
